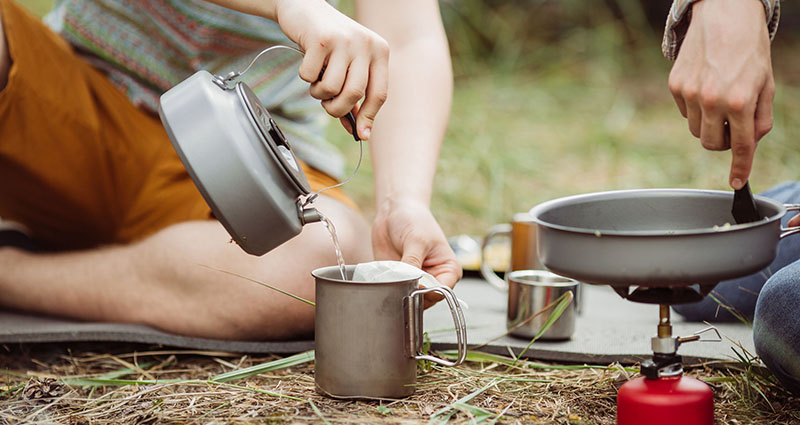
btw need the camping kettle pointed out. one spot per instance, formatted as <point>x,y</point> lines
<point>239,159</point>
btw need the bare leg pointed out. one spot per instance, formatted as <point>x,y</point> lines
<point>161,280</point>
<point>5,59</point>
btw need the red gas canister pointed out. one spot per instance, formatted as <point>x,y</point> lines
<point>673,400</point>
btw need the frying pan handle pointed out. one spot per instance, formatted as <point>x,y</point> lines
<point>788,231</point>
<point>486,270</point>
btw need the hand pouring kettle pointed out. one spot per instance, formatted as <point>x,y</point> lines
<point>239,159</point>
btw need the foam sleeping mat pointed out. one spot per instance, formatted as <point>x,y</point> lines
<point>608,329</point>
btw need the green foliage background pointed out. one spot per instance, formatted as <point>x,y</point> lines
<point>557,97</point>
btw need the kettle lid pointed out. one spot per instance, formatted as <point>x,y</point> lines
<point>273,138</point>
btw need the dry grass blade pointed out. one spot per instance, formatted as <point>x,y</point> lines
<point>563,302</point>
<point>266,285</point>
<point>730,309</point>
<point>316,410</point>
<point>546,308</point>
<point>274,365</point>
<point>438,417</point>
<point>481,357</point>
<point>257,390</point>
<point>107,378</point>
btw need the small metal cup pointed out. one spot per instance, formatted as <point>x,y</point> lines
<point>529,291</point>
<point>369,335</point>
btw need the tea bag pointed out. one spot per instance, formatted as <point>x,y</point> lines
<point>386,271</point>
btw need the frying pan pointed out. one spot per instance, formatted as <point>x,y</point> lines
<point>656,237</point>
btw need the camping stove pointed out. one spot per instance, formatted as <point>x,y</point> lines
<point>663,396</point>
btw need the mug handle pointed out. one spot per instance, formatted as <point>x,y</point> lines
<point>414,312</point>
<point>486,270</point>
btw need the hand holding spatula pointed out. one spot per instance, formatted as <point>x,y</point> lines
<point>744,208</point>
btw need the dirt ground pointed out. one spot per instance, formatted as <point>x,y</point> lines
<point>131,384</point>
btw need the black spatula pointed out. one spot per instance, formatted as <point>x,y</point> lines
<point>744,208</point>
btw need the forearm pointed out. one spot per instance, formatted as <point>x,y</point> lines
<point>67,284</point>
<point>151,282</point>
<point>263,8</point>
<point>408,133</point>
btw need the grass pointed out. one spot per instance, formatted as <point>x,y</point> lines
<point>517,140</point>
<point>595,119</point>
<point>91,384</point>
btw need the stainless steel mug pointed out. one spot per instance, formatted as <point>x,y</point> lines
<point>522,232</point>
<point>529,291</point>
<point>369,335</point>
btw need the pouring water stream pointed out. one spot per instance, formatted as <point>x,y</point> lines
<point>332,231</point>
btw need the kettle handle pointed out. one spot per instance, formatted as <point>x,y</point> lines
<point>228,82</point>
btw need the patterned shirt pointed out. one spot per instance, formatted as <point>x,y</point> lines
<point>681,13</point>
<point>147,46</point>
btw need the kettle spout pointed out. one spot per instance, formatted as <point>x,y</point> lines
<point>310,215</point>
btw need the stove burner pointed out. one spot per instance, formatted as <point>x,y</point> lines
<point>662,395</point>
<point>665,294</point>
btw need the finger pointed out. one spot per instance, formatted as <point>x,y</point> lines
<point>676,88</point>
<point>377,91</point>
<point>763,122</point>
<point>712,133</point>
<point>448,278</point>
<point>332,78</point>
<point>413,253</point>
<point>448,273</point>
<point>742,147</point>
<point>431,298</point>
<point>795,221</point>
<point>312,65</point>
<point>695,116</point>
<point>355,87</point>
<point>346,122</point>
<point>681,104</point>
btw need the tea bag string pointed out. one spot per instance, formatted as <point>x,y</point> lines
<point>311,197</point>
<point>233,75</point>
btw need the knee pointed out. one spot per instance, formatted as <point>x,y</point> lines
<point>776,331</point>
<point>778,299</point>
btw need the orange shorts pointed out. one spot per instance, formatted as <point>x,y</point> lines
<point>80,165</point>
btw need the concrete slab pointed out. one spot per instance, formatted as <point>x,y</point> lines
<point>609,329</point>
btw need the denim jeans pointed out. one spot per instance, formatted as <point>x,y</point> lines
<point>770,298</point>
